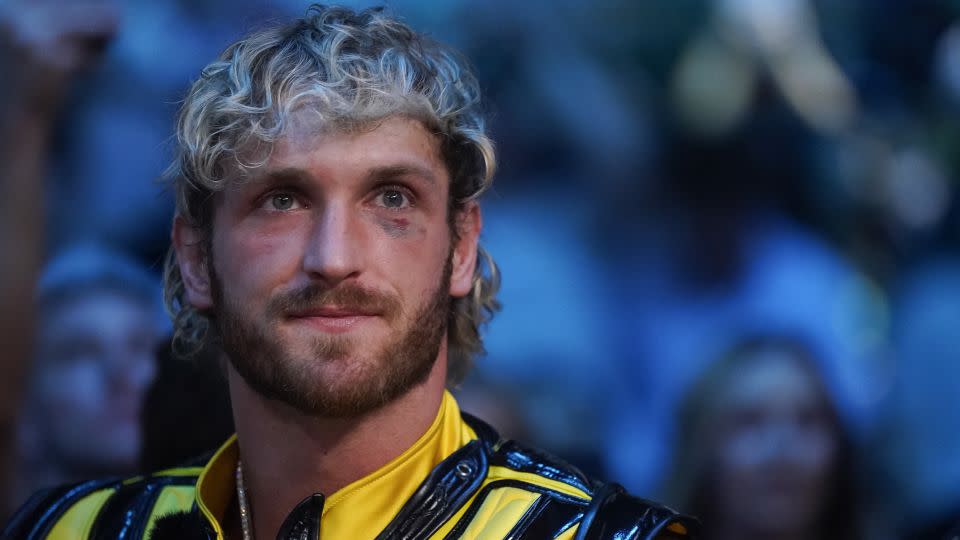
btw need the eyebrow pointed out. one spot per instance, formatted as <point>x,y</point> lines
<point>294,175</point>
<point>290,175</point>
<point>389,172</point>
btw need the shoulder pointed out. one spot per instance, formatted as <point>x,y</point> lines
<point>614,513</point>
<point>107,508</point>
<point>570,501</point>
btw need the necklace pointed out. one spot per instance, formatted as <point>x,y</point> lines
<point>246,520</point>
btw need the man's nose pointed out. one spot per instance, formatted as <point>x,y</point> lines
<point>333,250</point>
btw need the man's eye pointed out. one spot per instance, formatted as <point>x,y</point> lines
<point>393,198</point>
<point>282,201</point>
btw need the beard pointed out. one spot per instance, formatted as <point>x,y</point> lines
<point>332,378</point>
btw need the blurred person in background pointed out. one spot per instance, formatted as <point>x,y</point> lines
<point>760,451</point>
<point>43,45</point>
<point>100,320</point>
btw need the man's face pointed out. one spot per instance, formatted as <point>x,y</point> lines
<point>331,268</point>
<point>95,360</point>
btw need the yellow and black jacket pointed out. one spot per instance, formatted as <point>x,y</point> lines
<point>469,484</point>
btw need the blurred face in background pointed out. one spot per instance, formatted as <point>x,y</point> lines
<point>774,447</point>
<point>95,361</point>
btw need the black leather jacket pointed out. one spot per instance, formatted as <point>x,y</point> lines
<point>461,479</point>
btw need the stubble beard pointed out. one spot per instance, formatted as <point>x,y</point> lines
<point>363,383</point>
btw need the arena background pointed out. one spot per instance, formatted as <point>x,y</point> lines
<point>675,175</point>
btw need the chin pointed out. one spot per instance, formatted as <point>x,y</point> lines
<point>339,374</point>
<point>343,387</point>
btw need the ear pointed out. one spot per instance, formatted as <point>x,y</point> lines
<point>192,260</point>
<point>468,223</point>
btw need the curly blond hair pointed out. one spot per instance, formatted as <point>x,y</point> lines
<point>350,69</point>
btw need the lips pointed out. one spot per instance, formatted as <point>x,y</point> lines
<point>333,319</point>
<point>333,312</point>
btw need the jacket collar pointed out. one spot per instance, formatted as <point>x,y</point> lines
<point>449,457</point>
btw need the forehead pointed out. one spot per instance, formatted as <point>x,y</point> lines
<point>99,313</point>
<point>772,376</point>
<point>310,144</point>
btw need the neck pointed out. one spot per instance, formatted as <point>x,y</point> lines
<point>288,456</point>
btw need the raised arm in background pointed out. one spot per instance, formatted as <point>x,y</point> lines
<point>43,44</point>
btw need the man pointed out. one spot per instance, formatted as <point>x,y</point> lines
<point>327,237</point>
<point>99,323</point>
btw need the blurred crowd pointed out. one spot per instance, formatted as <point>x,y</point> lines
<point>728,231</point>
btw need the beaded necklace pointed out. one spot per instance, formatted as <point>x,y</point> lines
<point>246,520</point>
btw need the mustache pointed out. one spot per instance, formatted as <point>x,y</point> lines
<point>351,297</point>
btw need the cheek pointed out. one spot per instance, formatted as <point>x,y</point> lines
<point>141,370</point>
<point>742,449</point>
<point>398,227</point>
<point>408,237</point>
<point>73,391</point>
<point>404,226</point>
<point>411,256</point>
<point>257,260</point>
<point>724,470</point>
<point>816,451</point>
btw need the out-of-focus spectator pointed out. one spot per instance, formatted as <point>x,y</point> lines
<point>787,280</point>
<point>760,449</point>
<point>100,319</point>
<point>43,44</point>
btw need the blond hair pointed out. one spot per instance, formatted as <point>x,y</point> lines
<point>349,69</point>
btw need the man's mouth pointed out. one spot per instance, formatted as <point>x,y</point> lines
<point>333,319</point>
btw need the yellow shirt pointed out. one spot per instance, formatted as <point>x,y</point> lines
<point>365,507</point>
